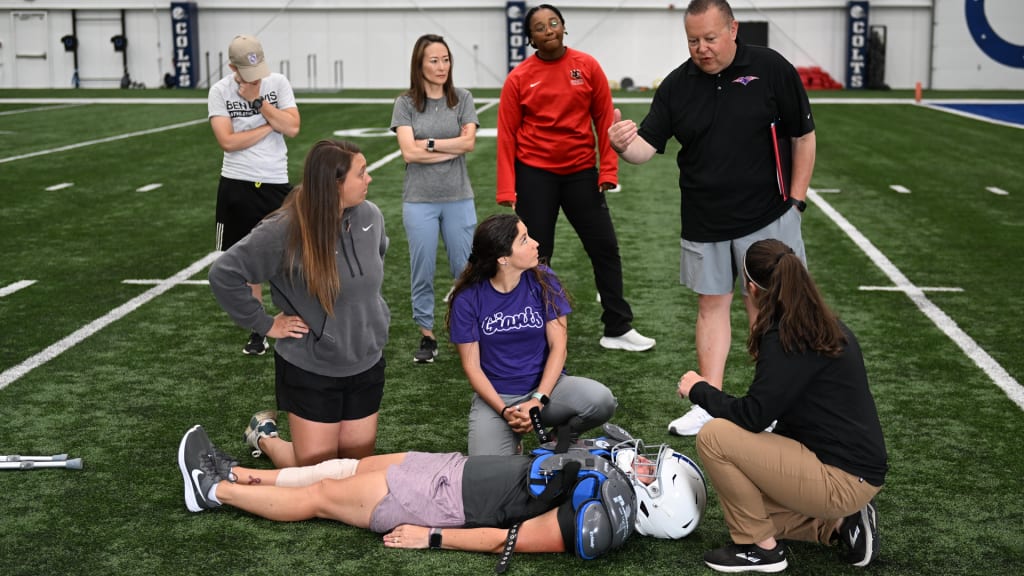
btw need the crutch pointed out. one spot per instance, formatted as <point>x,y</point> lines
<point>15,462</point>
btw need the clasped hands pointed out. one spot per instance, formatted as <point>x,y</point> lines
<point>518,415</point>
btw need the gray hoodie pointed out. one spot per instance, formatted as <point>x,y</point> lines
<point>349,343</point>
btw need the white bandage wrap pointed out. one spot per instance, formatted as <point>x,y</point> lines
<point>308,475</point>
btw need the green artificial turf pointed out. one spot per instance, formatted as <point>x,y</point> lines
<point>122,396</point>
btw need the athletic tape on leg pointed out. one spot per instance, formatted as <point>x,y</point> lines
<point>308,475</point>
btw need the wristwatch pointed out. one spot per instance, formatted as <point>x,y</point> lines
<point>430,144</point>
<point>542,397</point>
<point>257,103</point>
<point>800,204</point>
<point>435,538</point>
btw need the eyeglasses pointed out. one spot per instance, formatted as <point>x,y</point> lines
<point>553,24</point>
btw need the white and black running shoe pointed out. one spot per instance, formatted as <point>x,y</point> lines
<point>736,558</point>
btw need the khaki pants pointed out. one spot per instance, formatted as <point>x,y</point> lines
<point>773,486</point>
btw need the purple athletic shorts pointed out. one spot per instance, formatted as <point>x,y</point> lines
<point>424,490</point>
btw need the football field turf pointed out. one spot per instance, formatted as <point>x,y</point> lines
<point>111,344</point>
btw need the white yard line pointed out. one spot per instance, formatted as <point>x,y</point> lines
<point>102,140</point>
<point>997,373</point>
<point>14,287</point>
<point>11,374</point>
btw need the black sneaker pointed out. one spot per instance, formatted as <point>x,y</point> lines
<point>427,351</point>
<point>197,469</point>
<point>747,558</point>
<point>256,346</point>
<point>859,533</point>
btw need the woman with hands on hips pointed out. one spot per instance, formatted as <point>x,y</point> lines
<point>507,319</point>
<point>323,255</point>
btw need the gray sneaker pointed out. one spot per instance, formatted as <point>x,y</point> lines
<point>198,469</point>
<point>427,351</point>
<point>262,425</point>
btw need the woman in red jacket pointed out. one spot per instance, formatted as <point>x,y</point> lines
<point>551,106</point>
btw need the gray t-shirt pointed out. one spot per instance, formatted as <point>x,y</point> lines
<point>444,181</point>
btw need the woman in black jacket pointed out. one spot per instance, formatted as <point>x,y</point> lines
<point>815,478</point>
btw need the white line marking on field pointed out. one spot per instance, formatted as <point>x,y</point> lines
<point>995,121</point>
<point>54,350</point>
<point>148,187</point>
<point>102,140</point>
<point>60,186</point>
<point>829,191</point>
<point>901,289</point>
<point>37,109</point>
<point>997,373</point>
<point>14,287</point>
<point>997,191</point>
<point>900,189</point>
<point>141,282</point>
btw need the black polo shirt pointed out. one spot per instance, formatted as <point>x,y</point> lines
<point>727,175</point>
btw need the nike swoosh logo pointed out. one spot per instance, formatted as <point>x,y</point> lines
<point>534,84</point>
<point>196,475</point>
<point>367,228</point>
<point>855,536</point>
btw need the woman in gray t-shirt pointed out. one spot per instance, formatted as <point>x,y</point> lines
<point>436,126</point>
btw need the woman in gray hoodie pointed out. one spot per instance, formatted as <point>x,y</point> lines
<point>323,256</point>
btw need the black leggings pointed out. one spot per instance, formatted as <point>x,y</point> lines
<point>540,194</point>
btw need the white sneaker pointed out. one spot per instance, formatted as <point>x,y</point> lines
<point>631,341</point>
<point>690,423</point>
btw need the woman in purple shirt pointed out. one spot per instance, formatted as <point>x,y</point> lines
<point>507,319</point>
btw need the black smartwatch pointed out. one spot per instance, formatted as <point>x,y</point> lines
<point>435,538</point>
<point>430,144</point>
<point>800,204</point>
<point>542,397</point>
<point>257,103</point>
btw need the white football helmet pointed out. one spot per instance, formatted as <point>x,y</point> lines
<point>670,489</point>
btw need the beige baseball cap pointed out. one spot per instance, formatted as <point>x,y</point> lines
<point>246,54</point>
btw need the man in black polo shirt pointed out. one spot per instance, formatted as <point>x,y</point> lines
<point>744,122</point>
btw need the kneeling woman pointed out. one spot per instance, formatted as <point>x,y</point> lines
<point>507,318</point>
<point>815,478</point>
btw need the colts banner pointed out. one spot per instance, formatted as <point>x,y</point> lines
<point>515,27</point>
<point>857,46</point>
<point>185,25</point>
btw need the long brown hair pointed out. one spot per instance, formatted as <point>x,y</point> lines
<point>416,90</point>
<point>314,207</point>
<point>786,296</point>
<point>492,240</point>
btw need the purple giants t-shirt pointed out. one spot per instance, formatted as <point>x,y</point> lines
<point>510,329</point>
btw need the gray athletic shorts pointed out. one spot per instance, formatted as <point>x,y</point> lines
<point>712,267</point>
<point>424,490</point>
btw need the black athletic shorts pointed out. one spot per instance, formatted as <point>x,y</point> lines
<point>241,205</point>
<point>328,399</point>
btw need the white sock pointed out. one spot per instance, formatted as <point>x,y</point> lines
<point>212,495</point>
<point>337,469</point>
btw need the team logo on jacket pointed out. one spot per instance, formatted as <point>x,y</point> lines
<point>745,80</point>
<point>575,77</point>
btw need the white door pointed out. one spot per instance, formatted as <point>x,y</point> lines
<point>31,62</point>
<point>99,66</point>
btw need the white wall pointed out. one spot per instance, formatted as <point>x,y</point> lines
<point>368,42</point>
